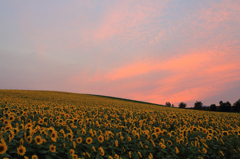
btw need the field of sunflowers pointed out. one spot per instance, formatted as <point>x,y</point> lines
<point>48,124</point>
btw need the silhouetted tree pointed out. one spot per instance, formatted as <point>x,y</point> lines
<point>168,104</point>
<point>182,105</point>
<point>213,107</point>
<point>198,105</point>
<point>221,102</point>
<point>228,106</point>
<point>236,106</point>
<point>172,105</point>
<point>225,107</point>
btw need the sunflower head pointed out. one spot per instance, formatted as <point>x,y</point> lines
<point>29,139</point>
<point>38,140</point>
<point>34,157</point>
<point>89,140</point>
<point>100,138</point>
<point>21,150</point>
<point>52,148</point>
<point>204,150</point>
<point>3,148</point>
<point>72,151</point>
<point>79,140</point>
<point>169,142</point>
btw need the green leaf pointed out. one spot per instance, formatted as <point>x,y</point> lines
<point>43,151</point>
<point>13,151</point>
<point>48,157</point>
<point>190,156</point>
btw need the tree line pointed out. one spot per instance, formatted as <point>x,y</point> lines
<point>223,106</point>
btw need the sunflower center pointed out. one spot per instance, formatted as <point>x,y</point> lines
<point>1,148</point>
<point>21,150</point>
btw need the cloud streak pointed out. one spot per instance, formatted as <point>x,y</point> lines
<point>144,50</point>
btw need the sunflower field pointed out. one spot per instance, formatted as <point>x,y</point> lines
<point>48,124</point>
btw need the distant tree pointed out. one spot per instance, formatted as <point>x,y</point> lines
<point>225,107</point>
<point>221,102</point>
<point>228,106</point>
<point>172,105</point>
<point>236,106</point>
<point>213,107</point>
<point>198,105</point>
<point>168,104</point>
<point>182,105</point>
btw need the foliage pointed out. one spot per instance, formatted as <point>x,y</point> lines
<point>236,106</point>
<point>182,105</point>
<point>168,104</point>
<point>225,107</point>
<point>213,107</point>
<point>198,105</point>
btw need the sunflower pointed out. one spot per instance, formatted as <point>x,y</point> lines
<point>106,135</point>
<point>89,140</point>
<point>52,148</point>
<point>79,140</point>
<point>129,138</point>
<point>225,133</point>
<point>72,151</point>
<point>40,121</point>
<point>222,153</point>
<point>204,150</point>
<point>29,120</point>
<point>129,153</point>
<point>11,118</point>
<point>169,142</point>
<point>21,141</point>
<point>177,151</point>
<point>75,156</point>
<point>28,126</point>
<point>50,120</point>
<point>102,153</point>
<point>209,137</point>
<point>54,136</point>
<point>1,119</point>
<point>38,140</point>
<point>139,153</point>
<point>5,122</point>
<point>100,138</point>
<point>34,157</point>
<point>21,150</point>
<point>70,136</point>
<point>80,122</point>
<point>7,128</point>
<point>162,146</point>
<point>180,141</point>
<point>29,139</point>
<point>157,130</point>
<point>88,155</point>
<point>116,143</point>
<point>3,148</point>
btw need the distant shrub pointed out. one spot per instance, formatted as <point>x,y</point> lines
<point>182,105</point>
<point>213,107</point>
<point>168,104</point>
<point>198,105</point>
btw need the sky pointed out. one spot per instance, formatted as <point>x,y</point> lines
<point>155,51</point>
